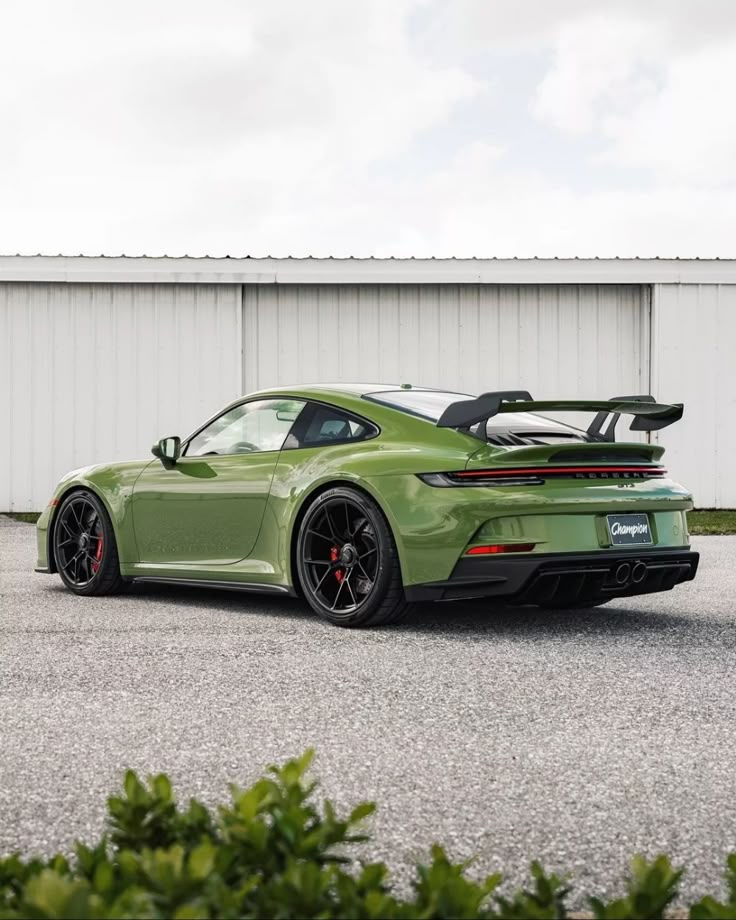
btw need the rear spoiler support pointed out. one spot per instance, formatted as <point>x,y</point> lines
<point>649,415</point>
<point>595,429</point>
<point>468,412</point>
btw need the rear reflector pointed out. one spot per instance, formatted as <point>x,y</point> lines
<point>500,548</point>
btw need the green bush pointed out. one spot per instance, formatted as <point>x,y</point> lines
<point>273,853</point>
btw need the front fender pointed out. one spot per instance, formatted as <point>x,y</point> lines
<point>113,485</point>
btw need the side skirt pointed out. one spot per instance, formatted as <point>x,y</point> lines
<point>250,587</point>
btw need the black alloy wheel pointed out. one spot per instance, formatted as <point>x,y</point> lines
<point>347,561</point>
<point>85,551</point>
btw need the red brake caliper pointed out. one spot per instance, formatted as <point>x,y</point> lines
<point>98,555</point>
<point>334,556</point>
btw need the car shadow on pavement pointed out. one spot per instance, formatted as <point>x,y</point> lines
<point>464,619</point>
<point>475,618</point>
<point>216,599</point>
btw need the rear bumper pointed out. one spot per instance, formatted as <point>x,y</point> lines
<point>562,578</point>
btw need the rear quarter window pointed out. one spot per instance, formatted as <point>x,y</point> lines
<point>322,425</point>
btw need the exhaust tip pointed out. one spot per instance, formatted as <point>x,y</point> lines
<point>639,573</point>
<point>623,573</point>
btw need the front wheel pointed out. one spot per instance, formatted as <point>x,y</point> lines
<point>85,550</point>
<point>347,561</point>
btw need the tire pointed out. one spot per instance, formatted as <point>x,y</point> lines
<point>85,551</point>
<point>344,542</point>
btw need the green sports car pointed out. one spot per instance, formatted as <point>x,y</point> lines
<point>363,499</point>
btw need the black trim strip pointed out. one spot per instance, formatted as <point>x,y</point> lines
<point>225,585</point>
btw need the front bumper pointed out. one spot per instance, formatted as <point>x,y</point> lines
<point>561,578</point>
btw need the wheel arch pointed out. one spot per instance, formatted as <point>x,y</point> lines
<point>60,499</point>
<point>315,492</point>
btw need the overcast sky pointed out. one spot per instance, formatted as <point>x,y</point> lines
<point>381,127</point>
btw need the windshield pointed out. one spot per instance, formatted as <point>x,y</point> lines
<point>506,429</point>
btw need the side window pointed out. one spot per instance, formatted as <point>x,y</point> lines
<point>328,425</point>
<point>248,428</point>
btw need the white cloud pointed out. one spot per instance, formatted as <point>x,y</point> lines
<point>481,204</point>
<point>653,97</point>
<point>111,121</point>
<point>601,65</point>
<point>402,127</point>
<point>687,130</point>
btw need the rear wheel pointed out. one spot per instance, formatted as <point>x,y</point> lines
<point>85,551</point>
<point>347,561</point>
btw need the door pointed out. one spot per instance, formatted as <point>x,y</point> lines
<point>207,508</point>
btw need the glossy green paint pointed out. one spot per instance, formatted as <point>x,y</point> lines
<point>113,485</point>
<point>203,511</point>
<point>577,532</point>
<point>234,518</point>
<point>437,528</point>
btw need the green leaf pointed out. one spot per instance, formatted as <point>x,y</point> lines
<point>202,861</point>
<point>362,811</point>
<point>161,786</point>
<point>195,910</point>
<point>652,886</point>
<point>134,789</point>
<point>104,878</point>
<point>277,851</point>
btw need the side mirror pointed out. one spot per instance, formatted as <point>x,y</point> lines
<point>167,449</point>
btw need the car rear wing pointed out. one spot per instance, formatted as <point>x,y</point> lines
<point>648,414</point>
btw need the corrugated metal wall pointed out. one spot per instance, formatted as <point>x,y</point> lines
<point>95,372</point>
<point>92,372</point>
<point>565,341</point>
<point>694,361</point>
<point>555,340</point>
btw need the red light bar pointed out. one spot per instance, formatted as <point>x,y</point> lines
<point>500,548</point>
<point>551,470</point>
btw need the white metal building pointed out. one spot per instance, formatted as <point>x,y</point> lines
<point>99,357</point>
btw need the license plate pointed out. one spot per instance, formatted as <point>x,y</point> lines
<point>629,529</point>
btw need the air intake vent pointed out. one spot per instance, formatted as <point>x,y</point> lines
<point>508,440</point>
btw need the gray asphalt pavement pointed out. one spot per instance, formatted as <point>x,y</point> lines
<point>575,737</point>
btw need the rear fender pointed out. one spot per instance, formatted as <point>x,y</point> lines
<point>287,507</point>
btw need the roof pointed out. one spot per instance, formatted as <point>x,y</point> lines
<point>248,270</point>
<point>347,389</point>
<point>361,389</point>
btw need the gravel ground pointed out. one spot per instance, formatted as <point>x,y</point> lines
<point>576,737</point>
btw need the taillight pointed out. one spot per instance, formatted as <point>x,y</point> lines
<point>561,471</point>
<point>494,548</point>
<point>531,476</point>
